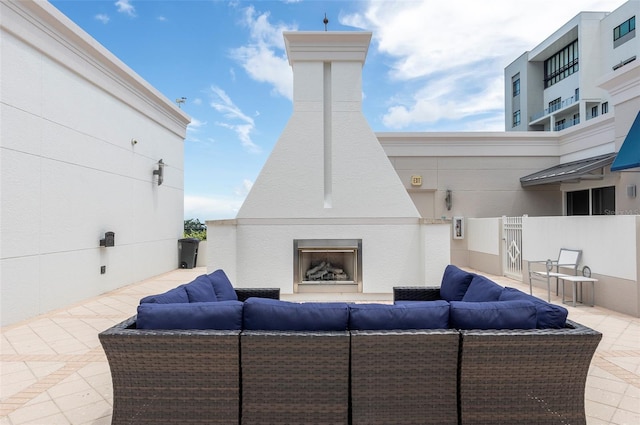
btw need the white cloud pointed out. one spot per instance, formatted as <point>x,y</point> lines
<point>104,18</point>
<point>162,18</point>
<point>125,6</point>
<point>263,58</point>
<point>211,208</point>
<point>237,121</point>
<point>449,57</point>
<point>195,125</point>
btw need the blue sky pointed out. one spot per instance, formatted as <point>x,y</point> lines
<point>432,66</point>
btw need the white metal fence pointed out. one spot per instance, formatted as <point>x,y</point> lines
<point>512,249</point>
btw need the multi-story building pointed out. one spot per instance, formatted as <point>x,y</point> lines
<point>556,85</point>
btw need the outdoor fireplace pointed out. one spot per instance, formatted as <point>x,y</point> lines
<point>321,265</point>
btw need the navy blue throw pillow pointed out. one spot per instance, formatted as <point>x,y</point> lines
<point>409,315</point>
<point>222,286</point>
<point>549,316</point>
<point>455,283</point>
<point>482,289</point>
<point>276,315</point>
<point>172,296</point>
<point>201,290</point>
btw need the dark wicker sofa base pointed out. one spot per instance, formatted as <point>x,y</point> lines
<point>407,377</point>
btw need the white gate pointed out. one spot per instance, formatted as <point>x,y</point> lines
<point>512,248</point>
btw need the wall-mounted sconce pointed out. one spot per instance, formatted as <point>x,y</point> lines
<point>109,240</point>
<point>447,200</point>
<point>631,191</point>
<point>159,172</point>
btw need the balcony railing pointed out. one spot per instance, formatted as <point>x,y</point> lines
<point>566,124</point>
<point>554,108</point>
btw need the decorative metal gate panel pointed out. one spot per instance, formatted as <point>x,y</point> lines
<point>512,249</point>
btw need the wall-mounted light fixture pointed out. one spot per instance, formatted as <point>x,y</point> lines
<point>447,200</point>
<point>109,240</point>
<point>159,172</point>
<point>631,191</point>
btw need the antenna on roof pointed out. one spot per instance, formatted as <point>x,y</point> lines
<point>325,21</point>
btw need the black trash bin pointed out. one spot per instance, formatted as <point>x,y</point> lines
<point>188,252</point>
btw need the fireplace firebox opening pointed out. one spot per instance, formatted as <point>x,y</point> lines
<point>327,265</point>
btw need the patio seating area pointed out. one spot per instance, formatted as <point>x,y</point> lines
<point>53,369</point>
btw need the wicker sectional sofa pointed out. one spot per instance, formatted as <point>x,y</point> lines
<point>337,363</point>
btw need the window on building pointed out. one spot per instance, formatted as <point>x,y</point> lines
<point>605,107</point>
<point>516,118</point>
<point>576,96</point>
<point>602,201</point>
<point>624,28</point>
<point>516,86</point>
<point>594,111</point>
<point>555,104</point>
<point>576,119</point>
<point>578,202</point>
<point>560,124</point>
<point>561,65</point>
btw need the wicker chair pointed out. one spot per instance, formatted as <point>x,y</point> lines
<point>176,376</point>
<point>533,376</point>
<point>158,375</point>
<point>404,377</point>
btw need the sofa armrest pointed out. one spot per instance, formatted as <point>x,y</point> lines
<point>416,293</point>
<point>244,293</point>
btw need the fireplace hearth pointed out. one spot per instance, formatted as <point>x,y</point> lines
<point>323,264</point>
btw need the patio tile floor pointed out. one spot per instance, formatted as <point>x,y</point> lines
<point>53,369</point>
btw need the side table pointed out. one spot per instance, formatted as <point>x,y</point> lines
<point>579,280</point>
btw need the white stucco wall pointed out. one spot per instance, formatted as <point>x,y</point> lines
<point>70,171</point>
<point>255,253</point>
<point>608,243</point>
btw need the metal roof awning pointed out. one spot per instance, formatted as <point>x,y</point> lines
<point>629,154</point>
<point>571,171</point>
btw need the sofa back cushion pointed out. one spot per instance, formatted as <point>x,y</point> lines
<point>276,315</point>
<point>172,296</point>
<point>218,315</point>
<point>547,315</point>
<point>455,283</point>
<point>482,289</point>
<point>518,314</point>
<point>201,290</point>
<point>409,315</point>
<point>222,286</point>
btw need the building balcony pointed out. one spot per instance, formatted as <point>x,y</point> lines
<point>563,107</point>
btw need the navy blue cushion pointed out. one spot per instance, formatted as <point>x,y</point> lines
<point>277,315</point>
<point>222,286</point>
<point>548,315</point>
<point>482,289</point>
<point>454,283</point>
<point>412,315</point>
<point>218,315</point>
<point>201,290</point>
<point>517,314</point>
<point>172,296</point>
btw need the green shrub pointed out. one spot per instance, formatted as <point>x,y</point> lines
<point>193,228</point>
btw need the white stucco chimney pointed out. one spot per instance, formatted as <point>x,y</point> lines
<point>328,162</point>
<point>328,192</point>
